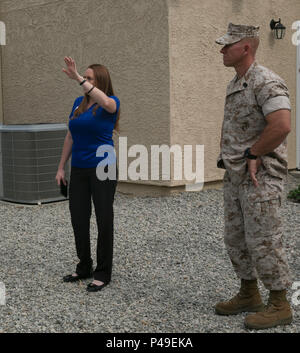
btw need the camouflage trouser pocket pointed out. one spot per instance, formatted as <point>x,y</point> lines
<point>264,232</point>
<point>268,206</point>
<point>261,208</point>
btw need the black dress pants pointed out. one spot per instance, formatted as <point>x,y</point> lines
<point>84,186</point>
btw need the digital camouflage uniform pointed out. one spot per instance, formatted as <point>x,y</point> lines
<point>253,225</point>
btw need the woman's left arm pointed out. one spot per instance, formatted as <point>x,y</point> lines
<point>95,93</point>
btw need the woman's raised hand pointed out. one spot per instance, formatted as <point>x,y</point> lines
<point>71,70</point>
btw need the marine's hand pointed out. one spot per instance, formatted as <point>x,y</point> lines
<point>253,166</point>
<point>71,70</point>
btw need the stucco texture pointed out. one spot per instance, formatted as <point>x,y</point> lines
<point>198,77</point>
<point>165,65</point>
<point>130,37</point>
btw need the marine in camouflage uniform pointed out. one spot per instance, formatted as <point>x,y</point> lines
<point>253,227</point>
<point>253,224</point>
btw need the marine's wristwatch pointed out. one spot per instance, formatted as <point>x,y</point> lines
<point>248,155</point>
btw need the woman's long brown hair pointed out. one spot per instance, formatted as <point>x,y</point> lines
<point>103,82</point>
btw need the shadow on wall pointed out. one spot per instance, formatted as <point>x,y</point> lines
<point>271,40</point>
<point>237,6</point>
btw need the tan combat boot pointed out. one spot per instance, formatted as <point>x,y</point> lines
<point>248,299</point>
<point>277,312</point>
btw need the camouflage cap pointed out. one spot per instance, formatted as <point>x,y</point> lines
<point>235,33</point>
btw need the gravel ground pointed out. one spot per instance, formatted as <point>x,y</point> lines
<point>170,268</point>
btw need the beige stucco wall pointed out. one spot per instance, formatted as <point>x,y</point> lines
<point>130,37</point>
<point>164,63</point>
<point>198,77</point>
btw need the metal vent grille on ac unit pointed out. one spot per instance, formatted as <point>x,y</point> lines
<point>29,157</point>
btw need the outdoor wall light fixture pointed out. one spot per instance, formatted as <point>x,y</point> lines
<point>278,29</point>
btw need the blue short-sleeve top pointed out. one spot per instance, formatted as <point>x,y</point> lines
<point>90,131</point>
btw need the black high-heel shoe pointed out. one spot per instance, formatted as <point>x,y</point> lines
<point>94,288</point>
<point>71,278</point>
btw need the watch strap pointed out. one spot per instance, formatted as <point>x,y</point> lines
<point>247,154</point>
